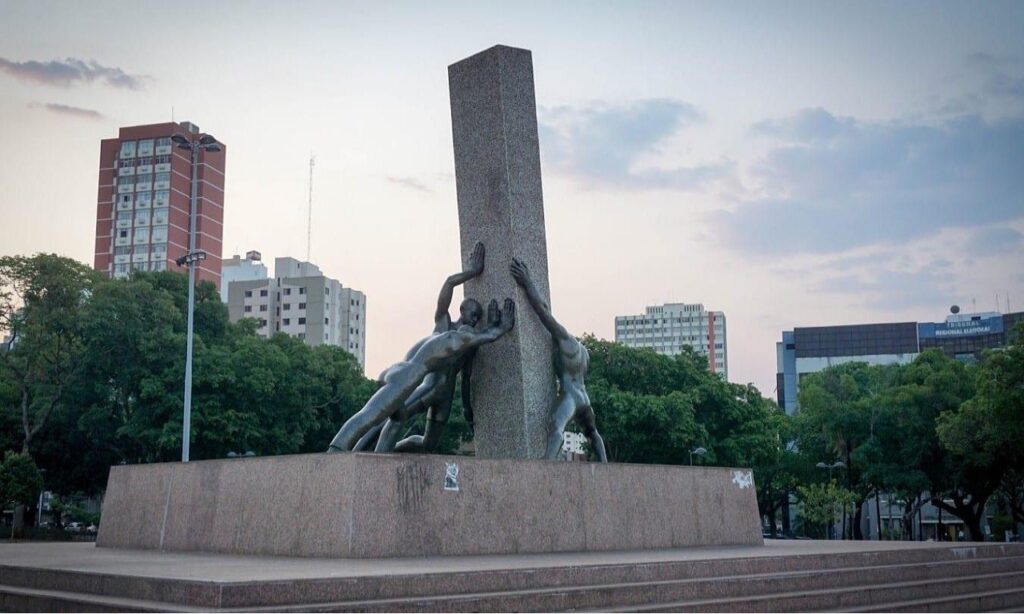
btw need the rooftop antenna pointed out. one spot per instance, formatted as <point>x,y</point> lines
<point>172,113</point>
<point>309,216</point>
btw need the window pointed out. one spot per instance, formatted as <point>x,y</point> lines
<point>287,291</point>
<point>159,234</point>
<point>302,290</point>
<point>287,306</point>
<point>160,266</point>
<point>248,309</point>
<point>263,307</point>
<point>145,147</point>
<point>248,294</point>
<point>163,141</point>
<point>302,305</point>
<point>145,178</point>
<point>142,218</point>
<point>141,266</point>
<point>122,250</point>
<point>127,149</point>
<point>327,320</point>
<point>263,292</point>
<point>163,176</point>
<point>162,197</point>
<point>160,215</point>
<point>301,335</point>
<point>302,320</point>
<point>121,269</point>
<point>287,321</point>
<point>327,291</point>
<point>141,235</point>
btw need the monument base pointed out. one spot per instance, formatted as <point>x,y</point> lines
<point>397,505</point>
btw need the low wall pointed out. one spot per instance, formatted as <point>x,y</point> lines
<point>392,505</point>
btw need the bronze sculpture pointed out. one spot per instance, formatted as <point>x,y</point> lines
<point>438,354</point>
<point>571,362</point>
<point>436,392</point>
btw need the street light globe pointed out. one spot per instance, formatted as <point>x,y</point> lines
<point>700,451</point>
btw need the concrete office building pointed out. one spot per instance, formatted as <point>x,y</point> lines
<point>238,268</point>
<point>142,209</point>
<point>667,328</point>
<point>808,350</point>
<point>300,301</point>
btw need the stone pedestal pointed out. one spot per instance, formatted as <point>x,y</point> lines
<point>498,181</point>
<point>397,505</point>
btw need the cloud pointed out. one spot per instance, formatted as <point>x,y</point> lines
<point>994,242</point>
<point>893,289</point>
<point>602,143</point>
<point>830,184</point>
<point>410,182</point>
<point>1001,75</point>
<point>63,109</point>
<point>68,72</point>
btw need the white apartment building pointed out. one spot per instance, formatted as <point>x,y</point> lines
<point>302,302</point>
<point>667,328</point>
<point>237,268</point>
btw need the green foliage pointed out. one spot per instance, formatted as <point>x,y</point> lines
<point>820,503</point>
<point>121,383</point>
<point>41,299</point>
<point>20,480</point>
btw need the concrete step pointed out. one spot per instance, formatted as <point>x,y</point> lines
<point>847,598</point>
<point>17,599</point>
<point>1011,600</point>
<point>601,597</point>
<point>570,578</point>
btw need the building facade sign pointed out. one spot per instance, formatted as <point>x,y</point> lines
<point>965,328</point>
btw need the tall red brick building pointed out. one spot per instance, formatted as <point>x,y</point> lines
<point>142,209</point>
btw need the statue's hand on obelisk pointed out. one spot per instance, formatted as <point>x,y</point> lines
<point>476,260</point>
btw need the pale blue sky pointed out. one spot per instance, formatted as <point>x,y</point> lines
<point>789,163</point>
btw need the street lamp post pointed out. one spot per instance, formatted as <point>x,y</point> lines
<point>836,465</point>
<point>207,143</point>
<point>698,451</point>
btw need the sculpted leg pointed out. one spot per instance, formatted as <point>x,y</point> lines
<point>589,423</point>
<point>415,404</point>
<point>369,440</point>
<point>564,411</point>
<point>401,379</point>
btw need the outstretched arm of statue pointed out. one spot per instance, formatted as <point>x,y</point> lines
<point>476,266</point>
<point>522,276</point>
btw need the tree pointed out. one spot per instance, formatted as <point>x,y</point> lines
<point>820,502</point>
<point>20,481</point>
<point>982,436</point>
<point>838,411</point>
<point>41,298</point>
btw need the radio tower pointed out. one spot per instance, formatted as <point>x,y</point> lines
<point>309,215</point>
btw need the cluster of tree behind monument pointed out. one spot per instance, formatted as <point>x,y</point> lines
<point>91,375</point>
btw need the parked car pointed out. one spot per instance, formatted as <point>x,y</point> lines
<point>74,527</point>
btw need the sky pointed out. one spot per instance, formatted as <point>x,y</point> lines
<point>787,163</point>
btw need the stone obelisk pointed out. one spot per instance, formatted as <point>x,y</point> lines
<point>497,175</point>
